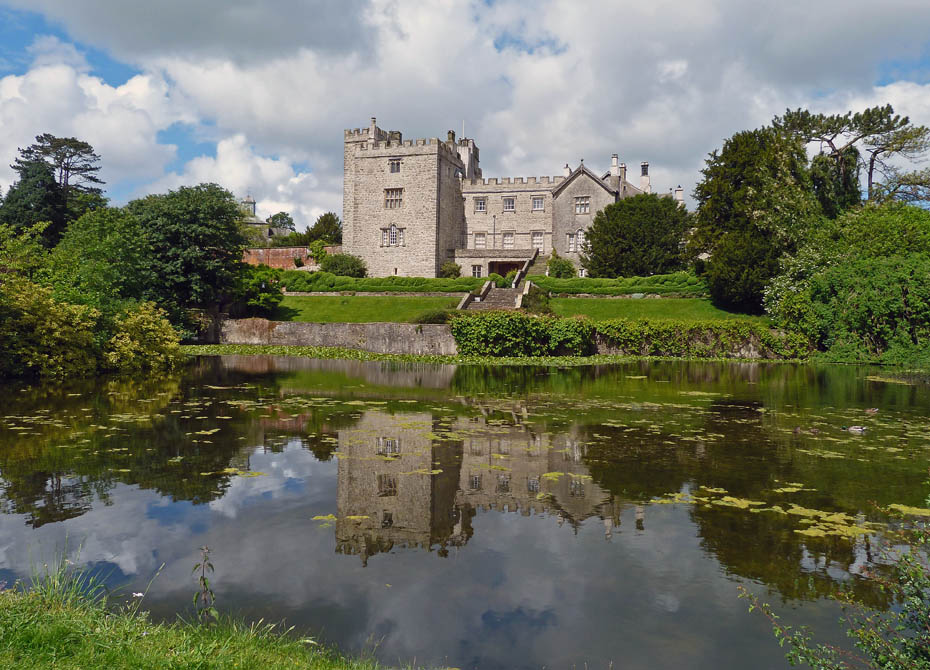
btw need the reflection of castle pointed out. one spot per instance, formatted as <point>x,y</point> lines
<point>402,483</point>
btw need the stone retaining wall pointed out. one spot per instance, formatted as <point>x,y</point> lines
<point>383,294</point>
<point>380,338</point>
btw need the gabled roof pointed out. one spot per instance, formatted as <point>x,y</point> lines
<point>577,172</point>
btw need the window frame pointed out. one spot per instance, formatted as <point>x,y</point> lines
<point>484,240</point>
<point>507,241</point>
<point>393,198</point>
<point>583,204</point>
<point>542,203</point>
<point>540,235</point>
<point>481,205</point>
<point>392,164</point>
<point>476,271</point>
<point>513,203</point>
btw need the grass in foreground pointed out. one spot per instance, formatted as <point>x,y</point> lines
<point>678,309</point>
<point>68,631</point>
<point>357,308</point>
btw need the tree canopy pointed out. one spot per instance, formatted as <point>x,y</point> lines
<point>36,197</point>
<point>636,236</point>
<point>73,161</point>
<point>281,220</point>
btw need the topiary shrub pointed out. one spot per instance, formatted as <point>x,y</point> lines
<point>450,270</point>
<point>344,265</point>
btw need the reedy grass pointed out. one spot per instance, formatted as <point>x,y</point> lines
<point>64,619</point>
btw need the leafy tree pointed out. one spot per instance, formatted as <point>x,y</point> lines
<point>194,247</point>
<point>636,236</point>
<point>344,265</point>
<point>100,260</point>
<point>36,197</point>
<point>258,291</point>
<point>21,252</point>
<point>836,183</point>
<point>281,220</point>
<point>317,250</point>
<point>328,227</point>
<point>74,165</point>
<point>755,202</point>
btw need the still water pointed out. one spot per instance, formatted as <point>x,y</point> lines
<point>476,517</point>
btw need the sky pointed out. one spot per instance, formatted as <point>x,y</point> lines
<point>255,95</point>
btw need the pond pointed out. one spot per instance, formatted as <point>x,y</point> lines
<point>476,517</point>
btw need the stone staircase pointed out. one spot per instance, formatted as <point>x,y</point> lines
<point>497,298</point>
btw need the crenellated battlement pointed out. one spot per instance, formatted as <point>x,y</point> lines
<point>433,142</point>
<point>515,181</point>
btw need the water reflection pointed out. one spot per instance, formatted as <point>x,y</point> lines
<point>478,514</point>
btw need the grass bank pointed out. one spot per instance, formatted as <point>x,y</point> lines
<point>681,309</point>
<point>358,308</point>
<point>62,629</point>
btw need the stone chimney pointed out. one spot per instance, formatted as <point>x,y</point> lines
<point>622,171</point>
<point>566,171</point>
<point>680,196</point>
<point>644,185</point>
<point>614,165</point>
<point>372,129</point>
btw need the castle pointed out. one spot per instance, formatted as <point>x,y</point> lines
<point>411,205</point>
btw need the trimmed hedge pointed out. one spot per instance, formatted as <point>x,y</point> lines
<point>683,283</point>
<point>519,334</point>
<point>296,280</point>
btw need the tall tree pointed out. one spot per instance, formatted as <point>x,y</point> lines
<point>328,227</point>
<point>755,202</point>
<point>636,236</point>
<point>74,162</point>
<point>74,165</point>
<point>195,245</point>
<point>35,198</point>
<point>281,220</point>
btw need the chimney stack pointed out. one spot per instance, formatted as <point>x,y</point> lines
<point>644,185</point>
<point>614,165</point>
<point>622,171</point>
<point>680,196</point>
<point>567,171</point>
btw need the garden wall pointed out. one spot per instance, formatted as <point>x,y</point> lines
<point>380,338</point>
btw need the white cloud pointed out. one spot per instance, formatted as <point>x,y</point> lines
<point>538,85</point>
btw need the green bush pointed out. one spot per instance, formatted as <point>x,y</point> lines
<point>571,337</point>
<point>344,265</point>
<point>499,281</point>
<point>450,270</point>
<point>501,334</point>
<point>435,316</point>
<point>257,293</point>
<point>536,300</point>
<point>740,269</point>
<point>42,337</point>
<point>560,268</point>
<point>510,277</point>
<point>144,341</point>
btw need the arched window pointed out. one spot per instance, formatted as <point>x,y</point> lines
<point>393,235</point>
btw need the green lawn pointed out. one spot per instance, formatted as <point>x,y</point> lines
<point>684,309</point>
<point>357,308</point>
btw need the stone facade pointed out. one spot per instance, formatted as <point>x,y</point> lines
<point>411,205</point>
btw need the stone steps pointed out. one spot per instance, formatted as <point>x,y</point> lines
<point>497,298</point>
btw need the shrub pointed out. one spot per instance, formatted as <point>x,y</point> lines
<point>536,300</point>
<point>571,337</point>
<point>435,316</point>
<point>740,269</point>
<point>510,277</point>
<point>257,293</point>
<point>325,281</point>
<point>500,334</point>
<point>499,281</point>
<point>682,283</point>
<point>42,337</point>
<point>560,268</point>
<point>450,270</point>
<point>636,236</point>
<point>344,265</point>
<point>144,340</point>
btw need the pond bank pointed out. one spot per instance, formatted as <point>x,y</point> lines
<point>67,631</point>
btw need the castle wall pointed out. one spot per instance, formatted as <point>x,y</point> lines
<point>522,221</point>
<point>566,221</point>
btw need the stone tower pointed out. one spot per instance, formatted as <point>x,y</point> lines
<point>402,201</point>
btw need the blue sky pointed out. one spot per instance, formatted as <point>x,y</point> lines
<point>176,92</point>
